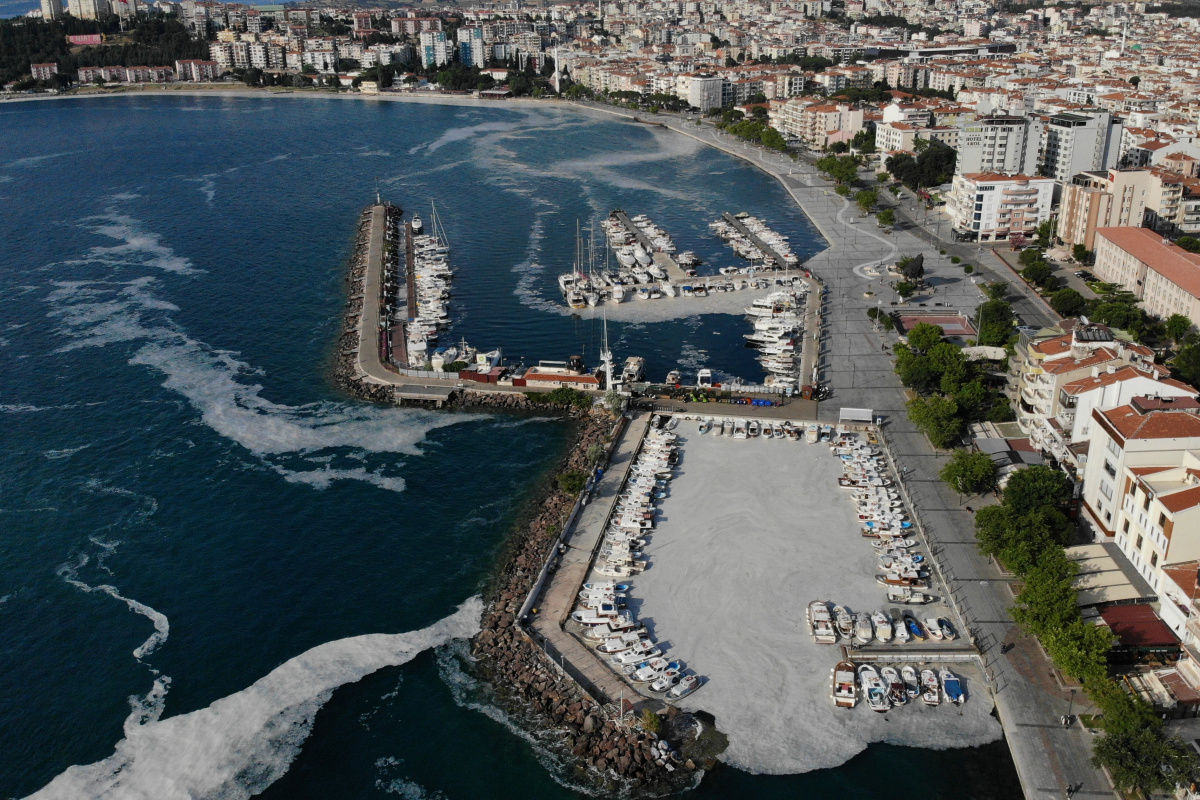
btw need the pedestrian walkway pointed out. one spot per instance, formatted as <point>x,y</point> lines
<point>558,599</point>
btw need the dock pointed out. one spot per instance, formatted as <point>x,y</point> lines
<point>559,597</point>
<point>369,362</point>
<point>757,242</point>
<point>662,260</point>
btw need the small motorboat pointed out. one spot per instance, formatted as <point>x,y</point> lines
<point>753,428</point>
<point>883,626</point>
<point>705,425</point>
<point>845,622</point>
<point>915,628</point>
<point>667,681</point>
<point>619,644</point>
<point>900,630</point>
<point>606,586</point>
<point>767,432</point>
<point>845,688</point>
<point>908,596</point>
<point>874,689</point>
<point>930,691</point>
<point>946,628</point>
<point>642,651</point>
<point>933,629</point>
<point>952,687</point>
<point>897,693</point>
<point>820,623</point>
<point>864,632</point>
<point>673,377</point>
<point>687,684</point>
<point>912,682</point>
<point>657,663</point>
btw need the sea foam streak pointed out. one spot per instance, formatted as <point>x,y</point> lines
<point>242,743</point>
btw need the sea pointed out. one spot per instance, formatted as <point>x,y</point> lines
<point>221,578</point>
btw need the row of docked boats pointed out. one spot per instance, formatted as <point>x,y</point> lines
<point>883,518</point>
<point>746,247</point>
<point>886,687</point>
<point>620,641</point>
<point>751,428</point>
<point>431,274</point>
<point>777,334</point>
<point>828,624</point>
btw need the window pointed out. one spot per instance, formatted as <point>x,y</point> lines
<point>1139,542</point>
<point>1162,519</point>
<point>1106,489</point>
<point>1110,469</point>
<point>1154,559</point>
<point>1146,502</point>
<point>1108,516</point>
<point>1113,447</point>
<point>1125,527</point>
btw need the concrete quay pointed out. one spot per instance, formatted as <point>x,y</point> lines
<point>855,363</point>
<point>763,247</point>
<point>575,562</point>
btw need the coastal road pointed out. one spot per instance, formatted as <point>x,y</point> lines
<point>856,364</point>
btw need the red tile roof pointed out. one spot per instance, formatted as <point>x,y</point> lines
<point>1169,260</point>
<point>1155,425</point>
<point>1138,626</point>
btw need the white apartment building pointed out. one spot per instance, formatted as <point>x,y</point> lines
<point>88,9</point>
<point>1080,141</point>
<point>704,92</point>
<point>1141,487</point>
<point>471,48</point>
<point>52,9</point>
<point>1003,144</point>
<point>990,207</point>
<point>820,124</point>
<point>434,49</point>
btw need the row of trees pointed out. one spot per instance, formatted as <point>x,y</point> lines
<point>1027,533</point>
<point>951,391</point>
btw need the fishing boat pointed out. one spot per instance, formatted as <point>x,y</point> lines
<point>687,684</point>
<point>740,429</point>
<point>863,630</point>
<point>946,628</point>
<point>606,586</point>
<point>844,621</point>
<point>667,681</point>
<point>812,434</point>
<point>908,596</point>
<point>931,693</point>
<point>934,630</point>
<point>916,629</point>
<point>897,692</point>
<point>952,687</point>
<point>753,428</point>
<point>658,663</point>
<point>727,427</point>
<point>912,682</point>
<point>845,688</point>
<point>706,425</point>
<point>874,689</point>
<point>820,623</point>
<point>899,629</point>
<point>883,626</point>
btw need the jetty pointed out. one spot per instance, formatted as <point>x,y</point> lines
<point>765,248</point>
<point>662,260</point>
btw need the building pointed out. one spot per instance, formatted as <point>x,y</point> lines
<point>88,9</point>
<point>1078,142</point>
<point>705,92</point>
<point>471,48</point>
<point>43,72</point>
<point>196,70</point>
<point>52,9</point>
<point>1113,198</point>
<point>1141,488</point>
<point>819,125</point>
<point>892,137</point>
<point>1003,144</point>
<point>991,207</point>
<point>1164,276</point>
<point>434,49</point>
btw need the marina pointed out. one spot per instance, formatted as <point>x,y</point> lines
<point>751,239</point>
<point>658,553</point>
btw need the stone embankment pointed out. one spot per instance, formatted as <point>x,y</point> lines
<point>609,752</point>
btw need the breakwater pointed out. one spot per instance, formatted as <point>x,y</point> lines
<point>609,747</point>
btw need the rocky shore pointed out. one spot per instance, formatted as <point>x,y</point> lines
<point>609,753</point>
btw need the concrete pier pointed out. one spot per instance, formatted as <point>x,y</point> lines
<point>766,249</point>
<point>662,260</point>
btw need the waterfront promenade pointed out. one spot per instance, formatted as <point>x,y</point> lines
<point>855,364</point>
<point>559,596</point>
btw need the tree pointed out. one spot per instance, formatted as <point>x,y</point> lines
<point>866,199</point>
<point>969,472</point>
<point>1067,302</point>
<point>1079,649</point>
<point>1047,598</point>
<point>924,336</point>
<point>905,289</point>
<point>1189,243</point>
<point>1039,273</point>
<point>886,218</point>
<point>995,323</point>
<point>1031,256</point>
<point>1080,253</point>
<point>1178,326</point>
<point>572,482</point>
<point>937,418</point>
<point>995,291</point>
<point>1036,488</point>
<point>1144,760</point>
<point>842,169</point>
<point>1187,363</point>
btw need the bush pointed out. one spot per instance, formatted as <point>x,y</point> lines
<point>651,722</point>
<point>572,482</point>
<point>842,189</point>
<point>562,396</point>
<point>955,260</point>
<point>942,251</point>
<point>905,289</point>
<point>967,268</point>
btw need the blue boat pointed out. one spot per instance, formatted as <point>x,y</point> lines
<point>952,687</point>
<point>915,628</point>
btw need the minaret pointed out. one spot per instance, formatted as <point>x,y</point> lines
<point>606,355</point>
<point>557,90</point>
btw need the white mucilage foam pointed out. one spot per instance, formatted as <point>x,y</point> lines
<point>242,743</point>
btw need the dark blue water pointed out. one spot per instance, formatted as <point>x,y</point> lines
<point>186,505</point>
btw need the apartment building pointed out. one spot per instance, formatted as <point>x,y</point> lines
<point>434,49</point>
<point>43,72</point>
<point>1078,142</point>
<point>704,92</point>
<point>196,70</point>
<point>1042,367</point>
<point>819,125</point>
<point>892,137</point>
<point>1141,487</point>
<point>88,9</point>
<point>1164,276</point>
<point>991,207</point>
<point>1002,144</point>
<point>471,48</point>
<point>52,9</point>
<point>1120,198</point>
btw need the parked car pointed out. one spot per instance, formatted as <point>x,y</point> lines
<point>1085,275</point>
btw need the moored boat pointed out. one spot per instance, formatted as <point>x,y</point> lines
<point>874,689</point>
<point>931,693</point>
<point>952,687</point>
<point>845,688</point>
